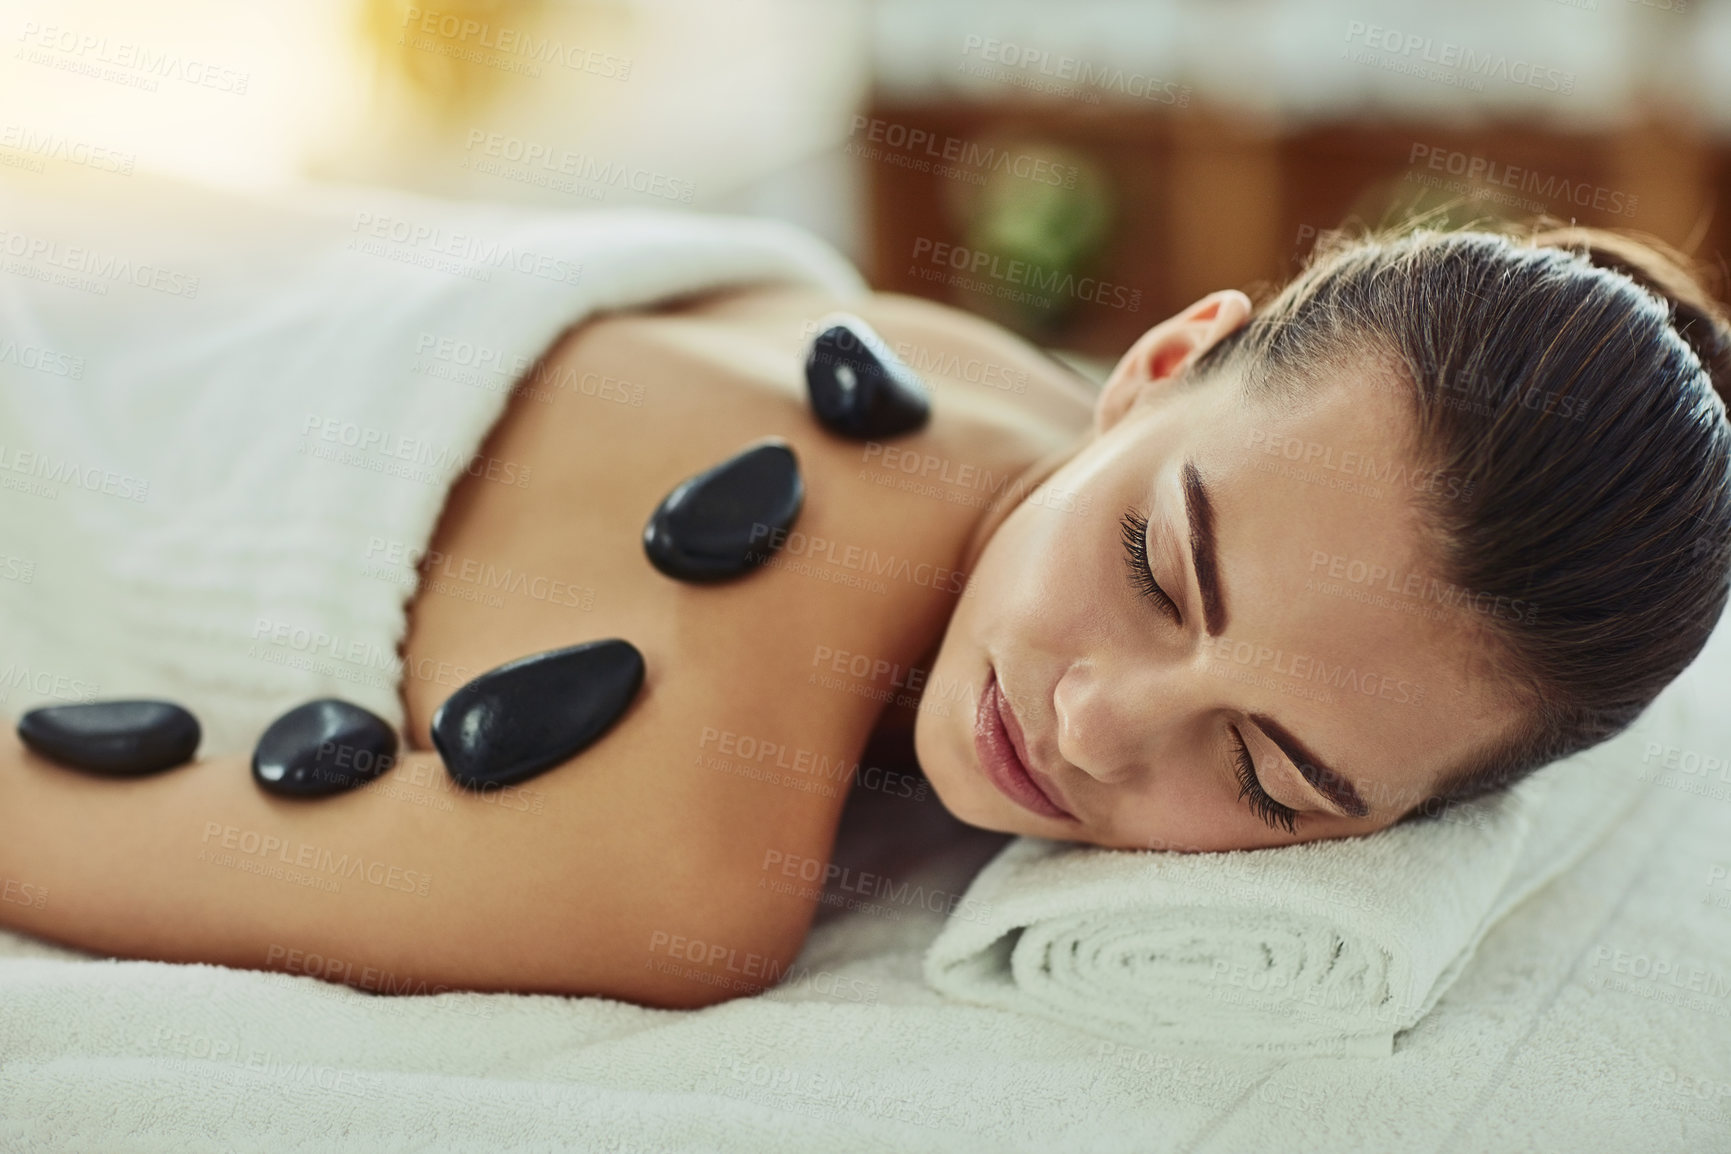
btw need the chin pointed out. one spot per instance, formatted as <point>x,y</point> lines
<point>979,816</point>
<point>944,759</point>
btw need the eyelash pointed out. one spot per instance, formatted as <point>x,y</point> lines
<point>1250,790</point>
<point>1134,530</point>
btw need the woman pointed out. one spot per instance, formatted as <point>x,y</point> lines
<point>1445,509</point>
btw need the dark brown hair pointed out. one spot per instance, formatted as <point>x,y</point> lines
<point>1574,378</point>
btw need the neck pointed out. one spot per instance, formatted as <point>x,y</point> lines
<point>895,725</point>
<point>1025,483</point>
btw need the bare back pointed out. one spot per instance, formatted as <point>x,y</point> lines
<point>759,698</point>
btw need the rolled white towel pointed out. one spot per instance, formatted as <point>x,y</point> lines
<point>1329,946</point>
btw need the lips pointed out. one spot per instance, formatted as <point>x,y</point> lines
<point>1002,751</point>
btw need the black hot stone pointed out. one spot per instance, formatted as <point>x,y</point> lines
<point>859,387</point>
<point>729,519</point>
<point>118,737</point>
<point>323,747</point>
<point>513,722</point>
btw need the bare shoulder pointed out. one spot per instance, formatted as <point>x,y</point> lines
<point>955,351</point>
<point>688,836</point>
<point>671,862</point>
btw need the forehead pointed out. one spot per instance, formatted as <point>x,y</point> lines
<point>1351,635</point>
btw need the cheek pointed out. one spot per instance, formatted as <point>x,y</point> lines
<point>1040,571</point>
<point>1022,607</point>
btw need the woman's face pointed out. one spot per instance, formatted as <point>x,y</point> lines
<point>1284,669</point>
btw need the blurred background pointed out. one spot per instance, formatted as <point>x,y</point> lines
<point>1075,170</point>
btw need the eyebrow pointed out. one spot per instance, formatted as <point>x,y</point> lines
<point>1330,783</point>
<point>1200,513</point>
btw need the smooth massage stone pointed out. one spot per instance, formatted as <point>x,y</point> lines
<point>513,722</point>
<point>323,747</point>
<point>118,737</point>
<point>859,387</point>
<point>729,519</point>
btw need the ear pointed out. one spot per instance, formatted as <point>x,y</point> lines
<point>1161,354</point>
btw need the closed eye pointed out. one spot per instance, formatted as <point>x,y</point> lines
<point>1251,793</point>
<point>1134,531</point>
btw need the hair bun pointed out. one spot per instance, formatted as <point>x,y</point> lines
<point>1669,275</point>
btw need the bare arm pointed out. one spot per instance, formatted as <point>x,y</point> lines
<point>407,885</point>
<point>655,867</point>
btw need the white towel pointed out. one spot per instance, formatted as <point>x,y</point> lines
<point>1558,1036</point>
<point>228,425</point>
<point>1323,947</point>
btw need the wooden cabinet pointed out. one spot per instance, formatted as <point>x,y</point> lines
<point>977,204</point>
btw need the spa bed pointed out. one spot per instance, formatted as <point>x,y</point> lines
<point>1558,1036</point>
<point>1594,1016</point>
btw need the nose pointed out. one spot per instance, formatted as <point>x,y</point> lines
<point>1102,729</point>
